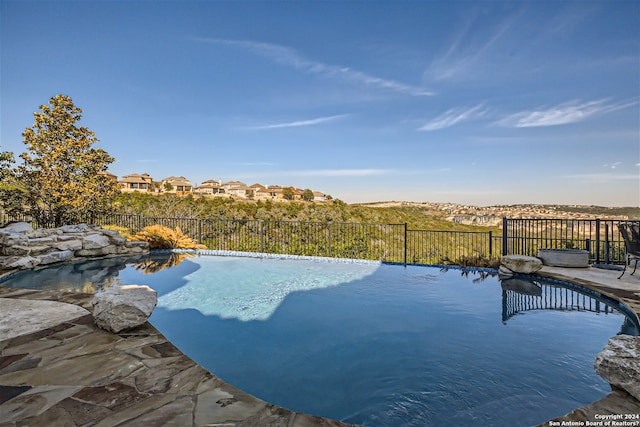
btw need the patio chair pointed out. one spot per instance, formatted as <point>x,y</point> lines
<point>631,234</point>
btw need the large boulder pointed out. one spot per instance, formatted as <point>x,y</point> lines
<point>114,237</point>
<point>18,262</point>
<point>45,232</point>
<point>68,245</point>
<point>521,263</point>
<point>75,228</point>
<point>619,365</point>
<point>95,241</point>
<point>18,227</point>
<point>39,241</point>
<point>54,257</point>
<point>123,307</point>
<point>16,250</point>
<point>9,238</point>
<point>106,250</point>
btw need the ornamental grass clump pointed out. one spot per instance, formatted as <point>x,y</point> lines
<point>161,237</point>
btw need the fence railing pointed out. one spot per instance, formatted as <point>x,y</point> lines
<point>600,237</point>
<point>394,243</point>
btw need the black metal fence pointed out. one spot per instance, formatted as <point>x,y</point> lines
<point>600,237</point>
<point>394,243</point>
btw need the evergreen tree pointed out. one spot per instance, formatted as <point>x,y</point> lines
<point>61,171</point>
<point>307,195</point>
<point>11,191</point>
<point>288,193</point>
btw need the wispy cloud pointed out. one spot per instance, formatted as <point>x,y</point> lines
<point>454,116</point>
<point>468,49</point>
<point>569,112</point>
<point>613,165</point>
<point>290,57</point>
<point>299,123</point>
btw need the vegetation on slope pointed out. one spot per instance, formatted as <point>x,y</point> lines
<point>168,205</point>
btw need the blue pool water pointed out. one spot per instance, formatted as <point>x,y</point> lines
<point>374,344</point>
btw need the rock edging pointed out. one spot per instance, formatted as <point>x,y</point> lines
<point>23,248</point>
<point>618,364</point>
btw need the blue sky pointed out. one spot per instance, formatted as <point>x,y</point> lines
<point>483,103</point>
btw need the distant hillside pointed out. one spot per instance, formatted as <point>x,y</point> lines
<point>429,216</point>
<point>522,210</point>
<point>630,212</point>
<point>416,216</point>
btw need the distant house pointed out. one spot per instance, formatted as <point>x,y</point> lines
<point>260,192</point>
<point>270,192</point>
<point>109,175</point>
<point>177,184</point>
<point>297,193</point>
<point>319,196</point>
<point>136,182</point>
<point>237,189</point>
<point>257,187</point>
<point>211,187</point>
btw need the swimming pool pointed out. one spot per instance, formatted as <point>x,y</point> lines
<point>375,344</point>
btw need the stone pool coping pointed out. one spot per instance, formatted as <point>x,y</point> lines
<point>72,373</point>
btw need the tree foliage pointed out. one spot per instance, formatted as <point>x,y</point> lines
<point>288,193</point>
<point>61,170</point>
<point>307,195</point>
<point>6,171</point>
<point>12,194</point>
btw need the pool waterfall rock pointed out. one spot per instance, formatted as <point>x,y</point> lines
<point>119,308</point>
<point>618,364</point>
<point>22,247</point>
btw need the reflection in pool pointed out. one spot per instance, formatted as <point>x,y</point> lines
<point>522,294</point>
<point>379,344</point>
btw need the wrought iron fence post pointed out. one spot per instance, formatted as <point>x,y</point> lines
<point>598,241</point>
<point>490,244</point>
<point>505,239</point>
<point>329,237</point>
<point>261,231</point>
<point>606,243</point>
<point>200,230</point>
<point>405,244</point>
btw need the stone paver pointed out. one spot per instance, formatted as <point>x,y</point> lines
<point>29,316</point>
<point>67,371</point>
